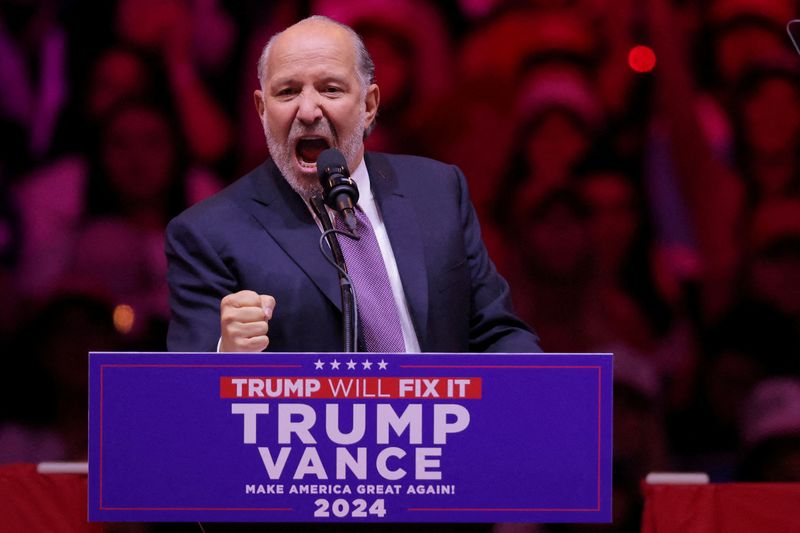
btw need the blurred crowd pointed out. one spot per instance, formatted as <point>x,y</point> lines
<point>641,201</point>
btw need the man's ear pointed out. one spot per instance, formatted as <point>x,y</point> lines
<point>258,98</point>
<point>372,100</point>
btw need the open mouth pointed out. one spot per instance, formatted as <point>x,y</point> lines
<point>307,151</point>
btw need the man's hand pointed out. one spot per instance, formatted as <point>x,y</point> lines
<point>244,321</point>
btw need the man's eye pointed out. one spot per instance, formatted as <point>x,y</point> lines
<point>332,90</point>
<point>286,92</point>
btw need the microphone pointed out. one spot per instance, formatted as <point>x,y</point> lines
<point>339,191</point>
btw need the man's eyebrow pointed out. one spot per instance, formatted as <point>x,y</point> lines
<point>288,80</point>
<point>334,77</point>
<point>285,80</point>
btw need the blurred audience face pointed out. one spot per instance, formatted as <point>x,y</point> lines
<point>613,218</point>
<point>744,46</point>
<point>554,145</point>
<point>775,276</point>
<point>312,98</point>
<point>634,417</point>
<point>76,330</point>
<point>146,23</point>
<point>117,75</point>
<point>555,242</point>
<point>139,154</point>
<point>772,118</point>
<point>394,69</point>
<point>730,378</point>
<point>77,319</point>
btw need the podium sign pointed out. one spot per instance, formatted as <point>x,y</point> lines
<point>350,437</point>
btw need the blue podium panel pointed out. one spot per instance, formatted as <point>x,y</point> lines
<point>350,437</point>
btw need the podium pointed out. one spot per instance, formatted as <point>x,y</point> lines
<point>350,437</point>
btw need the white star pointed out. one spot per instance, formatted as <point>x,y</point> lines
<point>367,365</point>
<point>318,365</point>
<point>351,365</point>
<point>382,365</point>
<point>335,364</point>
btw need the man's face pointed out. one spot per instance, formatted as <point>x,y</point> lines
<point>312,99</point>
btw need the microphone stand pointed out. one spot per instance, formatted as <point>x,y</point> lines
<point>349,314</point>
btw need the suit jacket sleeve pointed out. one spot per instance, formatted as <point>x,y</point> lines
<point>493,327</point>
<point>198,278</point>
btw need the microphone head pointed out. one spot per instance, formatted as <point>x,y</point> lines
<point>335,179</point>
<point>331,161</point>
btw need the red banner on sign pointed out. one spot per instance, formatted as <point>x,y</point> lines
<point>347,387</point>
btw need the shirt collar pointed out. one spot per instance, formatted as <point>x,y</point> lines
<point>361,177</point>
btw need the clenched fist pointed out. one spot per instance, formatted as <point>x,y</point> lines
<point>244,321</point>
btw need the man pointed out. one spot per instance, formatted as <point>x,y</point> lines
<point>245,268</point>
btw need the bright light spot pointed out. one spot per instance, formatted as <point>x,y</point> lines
<point>642,59</point>
<point>124,317</point>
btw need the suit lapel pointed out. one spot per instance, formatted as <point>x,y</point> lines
<point>404,232</point>
<point>291,225</point>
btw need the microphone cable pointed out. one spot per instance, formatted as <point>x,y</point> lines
<point>346,286</point>
<point>346,283</point>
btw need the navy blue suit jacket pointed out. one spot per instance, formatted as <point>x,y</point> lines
<point>258,234</point>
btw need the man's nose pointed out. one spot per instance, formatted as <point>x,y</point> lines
<point>310,110</point>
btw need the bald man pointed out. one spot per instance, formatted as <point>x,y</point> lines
<point>245,269</point>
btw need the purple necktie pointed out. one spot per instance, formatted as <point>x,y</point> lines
<point>379,320</point>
